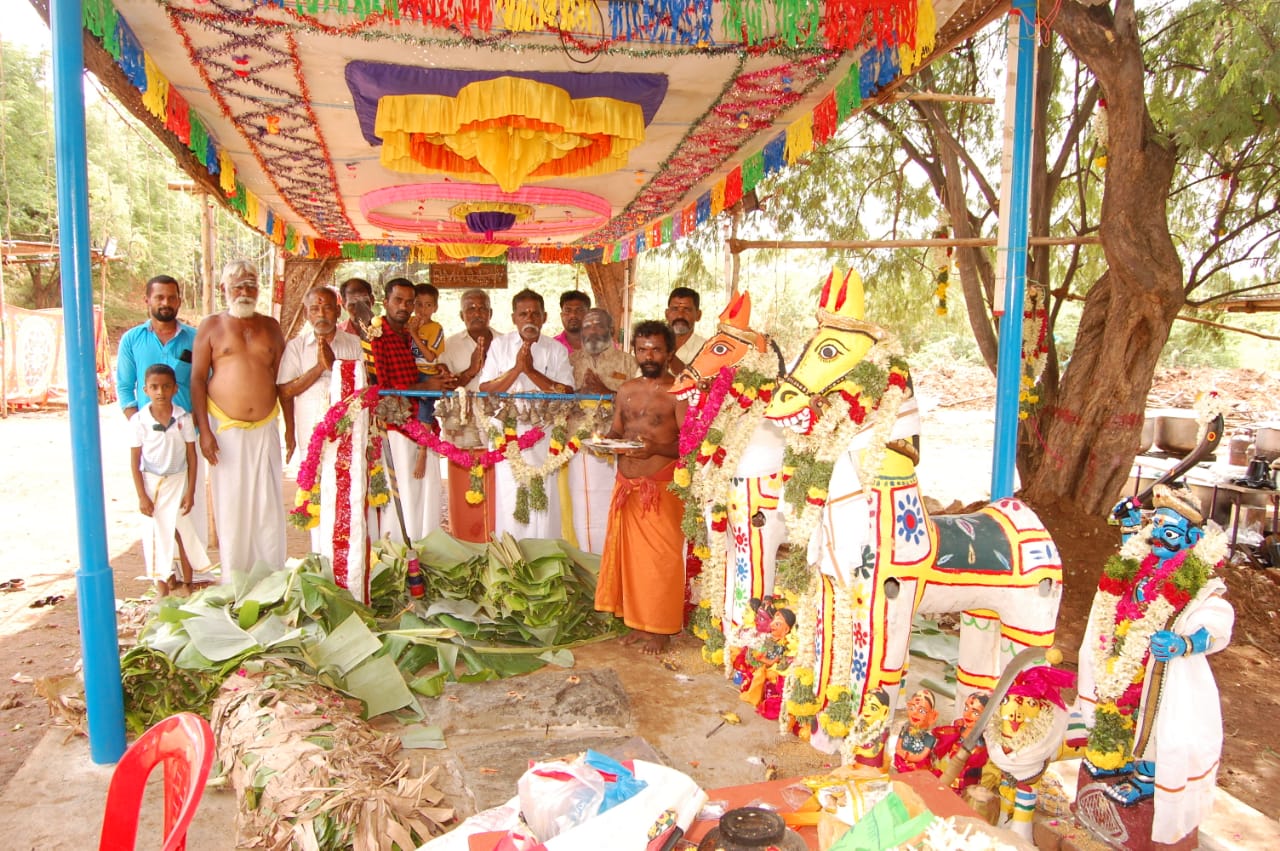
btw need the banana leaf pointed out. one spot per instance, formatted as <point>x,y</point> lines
<point>422,736</point>
<point>378,684</point>
<point>346,647</point>
<point>217,636</point>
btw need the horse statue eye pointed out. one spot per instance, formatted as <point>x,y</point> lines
<point>720,349</point>
<point>829,351</point>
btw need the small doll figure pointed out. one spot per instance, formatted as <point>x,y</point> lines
<point>915,742</point>
<point>1028,733</point>
<point>949,737</point>
<point>764,691</point>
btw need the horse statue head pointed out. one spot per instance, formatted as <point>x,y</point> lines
<point>733,341</point>
<point>827,363</point>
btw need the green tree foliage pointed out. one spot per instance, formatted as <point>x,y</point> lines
<point>155,229</point>
<point>26,146</point>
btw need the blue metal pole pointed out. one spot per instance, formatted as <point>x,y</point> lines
<point>1009,356</point>
<point>95,589</point>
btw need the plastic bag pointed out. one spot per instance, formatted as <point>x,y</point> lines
<point>620,783</point>
<point>556,796</point>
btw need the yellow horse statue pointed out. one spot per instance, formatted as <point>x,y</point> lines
<point>879,557</point>
<point>738,483</point>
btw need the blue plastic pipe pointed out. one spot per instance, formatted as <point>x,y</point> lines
<point>95,589</point>
<point>1009,355</point>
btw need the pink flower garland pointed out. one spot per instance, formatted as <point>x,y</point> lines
<point>328,429</point>
<point>697,421</point>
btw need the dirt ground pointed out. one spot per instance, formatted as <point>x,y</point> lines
<point>39,632</point>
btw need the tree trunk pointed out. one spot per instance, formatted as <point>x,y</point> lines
<point>300,275</point>
<point>46,292</point>
<point>609,282</point>
<point>1089,436</point>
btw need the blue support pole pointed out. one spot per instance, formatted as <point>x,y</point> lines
<point>1009,356</point>
<point>95,589</point>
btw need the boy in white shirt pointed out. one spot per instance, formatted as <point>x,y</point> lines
<point>163,459</point>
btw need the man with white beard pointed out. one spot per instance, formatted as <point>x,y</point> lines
<point>236,405</point>
<point>599,366</point>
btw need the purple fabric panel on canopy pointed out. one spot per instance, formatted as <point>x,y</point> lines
<point>369,81</point>
<point>490,222</point>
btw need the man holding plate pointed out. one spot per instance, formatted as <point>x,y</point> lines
<point>642,567</point>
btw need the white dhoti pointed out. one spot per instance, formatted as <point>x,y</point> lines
<point>248,507</point>
<point>542,524</point>
<point>591,489</point>
<point>199,515</point>
<point>166,519</point>
<point>421,499</point>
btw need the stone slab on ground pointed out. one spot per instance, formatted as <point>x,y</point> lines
<point>57,798</point>
<point>567,698</point>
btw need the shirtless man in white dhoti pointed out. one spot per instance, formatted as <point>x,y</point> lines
<point>237,404</point>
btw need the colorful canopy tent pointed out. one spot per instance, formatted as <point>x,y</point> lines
<point>503,130</point>
<point>578,131</point>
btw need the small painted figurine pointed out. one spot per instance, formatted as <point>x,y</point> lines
<point>949,737</point>
<point>1024,737</point>
<point>764,691</point>
<point>871,728</point>
<point>916,743</point>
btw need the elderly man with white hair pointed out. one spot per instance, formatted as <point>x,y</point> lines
<point>237,406</point>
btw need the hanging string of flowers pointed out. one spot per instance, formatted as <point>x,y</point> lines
<point>392,411</point>
<point>1035,350</point>
<point>336,423</point>
<point>707,466</point>
<point>940,263</point>
<point>1101,129</point>
<point>1124,626</point>
<point>531,492</point>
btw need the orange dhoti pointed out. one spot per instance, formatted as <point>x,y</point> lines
<point>469,522</point>
<point>642,567</point>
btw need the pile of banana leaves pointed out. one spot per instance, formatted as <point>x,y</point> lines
<point>490,611</point>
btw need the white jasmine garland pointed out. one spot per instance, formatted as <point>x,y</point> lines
<point>1209,406</point>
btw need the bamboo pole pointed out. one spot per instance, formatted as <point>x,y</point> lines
<point>206,254</point>
<point>941,97</point>
<point>739,245</point>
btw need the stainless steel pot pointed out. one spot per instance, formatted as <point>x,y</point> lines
<point>1266,441</point>
<point>1176,432</point>
<point>1148,435</point>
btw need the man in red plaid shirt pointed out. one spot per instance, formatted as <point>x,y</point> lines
<point>393,360</point>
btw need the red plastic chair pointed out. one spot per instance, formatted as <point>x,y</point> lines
<point>183,743</point>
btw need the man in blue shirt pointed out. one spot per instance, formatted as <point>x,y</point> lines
<point>162,339</point>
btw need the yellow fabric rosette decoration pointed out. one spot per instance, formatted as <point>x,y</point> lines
<point>509,131</point>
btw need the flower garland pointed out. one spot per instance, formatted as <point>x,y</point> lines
<point>1123,627</point>
<point>1035,350</point>
<point>531,493</point>
<point>713,438</point>
<point>798,693</point>
<point>940,262</point>
<point>337,421</point>
<point>1209,406</point>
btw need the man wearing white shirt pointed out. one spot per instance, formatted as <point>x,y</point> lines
<point>684,309</point>
<point>464,355</point>
<point>305,369</point>
<point>524,361</point>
